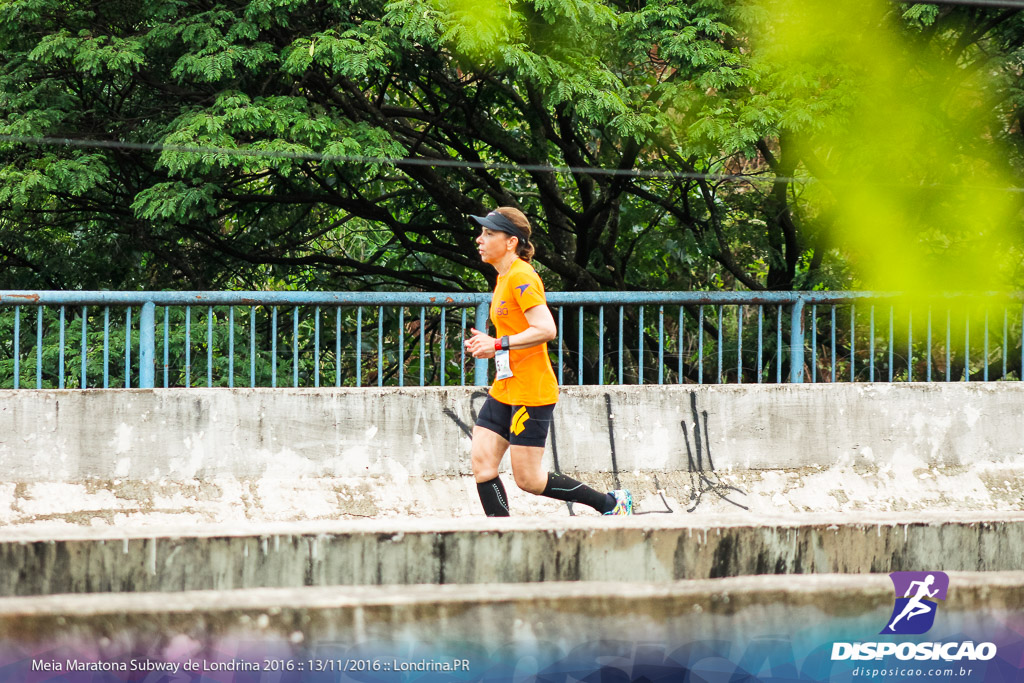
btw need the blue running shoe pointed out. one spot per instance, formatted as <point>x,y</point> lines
<point>623,502</point>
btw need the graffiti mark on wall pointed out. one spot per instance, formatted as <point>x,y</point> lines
<point>611,438</point>
<point>466,429</point>
<point>610,416</point>
<point>477,399</point>
<point>703,478</point>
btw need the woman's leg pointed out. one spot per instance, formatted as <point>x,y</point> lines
<point>485,455</point>
<point>530,476</point>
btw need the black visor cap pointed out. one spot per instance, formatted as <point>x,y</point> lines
<point>495,221</point>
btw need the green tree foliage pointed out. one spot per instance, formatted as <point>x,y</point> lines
<point>282,123</point>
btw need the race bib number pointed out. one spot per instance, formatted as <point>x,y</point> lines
<point>502,364</point>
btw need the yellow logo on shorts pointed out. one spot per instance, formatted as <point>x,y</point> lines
<point>519,421</point>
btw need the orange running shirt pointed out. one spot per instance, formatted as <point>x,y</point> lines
<point>533,381</point>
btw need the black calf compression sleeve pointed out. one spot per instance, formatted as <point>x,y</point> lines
<point>493,498</point>
<point>565,488</point>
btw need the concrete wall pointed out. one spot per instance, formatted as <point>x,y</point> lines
<point>178,435</point>
<point>134,458</point>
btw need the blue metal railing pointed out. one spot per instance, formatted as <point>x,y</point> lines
<point>196,338</point>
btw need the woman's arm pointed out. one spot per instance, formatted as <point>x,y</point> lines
<point>542,329</point>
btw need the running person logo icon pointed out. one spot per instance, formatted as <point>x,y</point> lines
<point>915,608</point>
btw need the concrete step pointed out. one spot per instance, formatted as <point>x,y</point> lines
<point>847,486</point>
<point>498,630</point>
<point>475,551</point>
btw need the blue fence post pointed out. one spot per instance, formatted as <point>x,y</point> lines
<point>147,345</point>
<point>480,367</point>
<point>796,343</point>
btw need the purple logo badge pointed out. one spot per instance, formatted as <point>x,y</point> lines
<point>916,595</point>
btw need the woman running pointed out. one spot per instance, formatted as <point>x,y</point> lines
<point>518,411</point>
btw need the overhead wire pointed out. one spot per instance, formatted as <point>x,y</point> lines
<point>399,161</point>
<point>440,163</point>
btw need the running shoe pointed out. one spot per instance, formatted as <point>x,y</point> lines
<point>623,502</point>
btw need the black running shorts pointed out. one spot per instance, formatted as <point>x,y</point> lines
<point>519,425</point>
